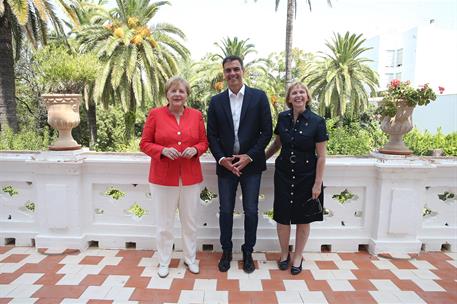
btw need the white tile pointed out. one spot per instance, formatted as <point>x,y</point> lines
<point>310,265</point>
<point>215,297</point>
<point>290,297</point>
<point>110,260</point>
<point>409,297</point>
<point>27,278</point>
<point>148,262</point>
<point>250,285</point>
<point>116,280</point>
<point>91,269</point>
<point>385,285</point>
<point>340,285</point>
<point>311,256</point>
<point>428,285</point>
<point>404,274</point>
<point>6,289</point>
<point>191,296</point>
<point>422,264</point>
<point>120,293</point>
<point>385,297</point>
<point>10,267</point>
<point>313,297</point>
<point>23,291</point>
<point>268,265</point>
<point>261,274</point>
<point>22,250</point>
<point>329,257</point>
<point>72,259</point>
<point>159,283</point>
<point>425,274</point>
<point>69,268</point>
<point>384,264</point>
<point>23,300</point>
<point>95,292</point>
<point>202,284</point>
<point>343,275</point>
<point>73,301</point>
<point>33,259</point>
<point>234,273</point>
<point>258,256</point>
<point>295,285</point>
<point>345,265</point>
<point>325,274</point>
<point>71,279</point>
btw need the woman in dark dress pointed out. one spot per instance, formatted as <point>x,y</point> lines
<point>302,137</point>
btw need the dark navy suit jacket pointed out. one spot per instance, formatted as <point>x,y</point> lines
<point>254,132</point>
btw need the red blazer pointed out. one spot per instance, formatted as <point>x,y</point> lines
<point>161,130</point>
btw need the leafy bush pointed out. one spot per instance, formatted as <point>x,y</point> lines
<point>26,139</point>
<point>62,72</point>
<point>352,138</point>
<point>423,143</point>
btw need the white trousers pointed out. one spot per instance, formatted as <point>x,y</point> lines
<point>166,200</point>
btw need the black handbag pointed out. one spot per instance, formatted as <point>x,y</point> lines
<point>312,207</point>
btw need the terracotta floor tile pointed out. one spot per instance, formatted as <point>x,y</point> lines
<point>318,285</point>
<point>6,278</point>
<point>239,297</point>
<point>5,300</point>
<point>228,285</point>
<point>5,249</point>
<point>155,295</point>
<point>406,285</point>
<point>122,270</point>
<point>365,264</point>
<point>273,256</point>
<point>445,274</point>
<point>433,256</point>
<point>326,265</point>
<point>182,284</point>
<point>380,274</point>
<point>450,286</point>
<point>14,258</point>
<point>212,256</point>
<point>93,280</point>
<point>357,256</point>
<point>437,297</point>
<point>349,297</point>
<point>263,297</point>
<point>41,267</point>
<point>362,284</point>
<point>137,282</point>
<point>49,279</point>
<point>273,285</point>
<point>403,264</point>
<point>91,260</point>
<point>48,301</point>
<point>99,301</point>
<point>60,291</point>
<point>133,253</point>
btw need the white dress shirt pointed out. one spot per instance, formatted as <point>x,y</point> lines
<point>236,102</point>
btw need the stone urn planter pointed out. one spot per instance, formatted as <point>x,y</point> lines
<point>396,127</point>
<point>63,115</point>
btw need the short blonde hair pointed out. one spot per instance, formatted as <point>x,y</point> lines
<point>293,86</point>
<point>175,81</point>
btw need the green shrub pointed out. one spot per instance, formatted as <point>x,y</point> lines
<point>423,143</point>
<point>26,139</point>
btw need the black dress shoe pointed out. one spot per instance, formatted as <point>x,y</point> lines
<point>224,262</point>
<point>283,265</point>
<point>248,262</point>
<point>296,270</point>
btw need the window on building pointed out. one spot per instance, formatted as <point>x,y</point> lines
<point>399,59</point>
<point>390,77</point>
<point>390,58</point>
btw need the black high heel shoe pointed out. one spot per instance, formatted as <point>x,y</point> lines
<point>296,270</point>
<point>283,265</point>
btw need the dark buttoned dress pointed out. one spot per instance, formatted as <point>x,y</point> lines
<point>295,167</point>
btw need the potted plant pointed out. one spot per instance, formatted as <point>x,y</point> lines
<point>395,110</point>
<point>63,76</point>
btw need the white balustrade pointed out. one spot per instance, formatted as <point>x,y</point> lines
<point>76,199</point>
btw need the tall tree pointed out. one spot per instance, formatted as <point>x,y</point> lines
<point>340,81</point>
<point>19,18</point>
<point>291,14</point>
<point>137,59</point>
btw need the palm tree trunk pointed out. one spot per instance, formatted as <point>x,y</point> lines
<point>289,33</point>
<point>92,124</point>
<point>8,116</point>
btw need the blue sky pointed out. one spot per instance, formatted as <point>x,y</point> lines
<point>207,21</point>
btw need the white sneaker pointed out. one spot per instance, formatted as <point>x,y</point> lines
<point>194,268</point>
<point>163,271</point>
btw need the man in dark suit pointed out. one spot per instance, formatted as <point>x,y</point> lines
<point>239,128</point>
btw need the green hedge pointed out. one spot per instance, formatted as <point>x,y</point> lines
<point>422,143</point>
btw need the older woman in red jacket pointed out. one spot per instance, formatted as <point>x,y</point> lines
<point>174,137</point>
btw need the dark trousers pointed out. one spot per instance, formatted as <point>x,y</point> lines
<point>250,185</point>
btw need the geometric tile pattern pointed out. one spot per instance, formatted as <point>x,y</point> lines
<point>130,276</point>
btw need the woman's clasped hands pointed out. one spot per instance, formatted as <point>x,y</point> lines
<point>173,154</point>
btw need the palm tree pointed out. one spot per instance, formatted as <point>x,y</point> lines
<point>342,77</point>
<point>291,14</point>
<point>137,59</point>
<point>16,18</point>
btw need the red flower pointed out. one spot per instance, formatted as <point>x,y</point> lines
<point>394,83</point>
<point>441,89</point>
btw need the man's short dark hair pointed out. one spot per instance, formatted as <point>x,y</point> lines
<point>231,58</point>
